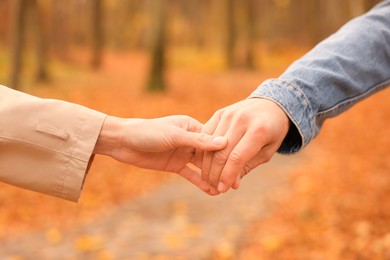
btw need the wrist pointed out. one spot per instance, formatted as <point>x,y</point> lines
<point>110,137</point>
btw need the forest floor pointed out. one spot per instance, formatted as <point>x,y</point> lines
<point>174,221</point>
<point>336,191</point>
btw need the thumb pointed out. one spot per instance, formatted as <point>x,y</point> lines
<point>200,141</point>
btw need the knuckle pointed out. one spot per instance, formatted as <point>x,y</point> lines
<point>219,112</point>
<point>218,115</point>
<point>235,158</point>
<point>202,137</point>
<point>205,173</point>
<point>185,117</point>
<point>220,157</point>
<point>262,133</point>
<point>242,116</point>
<point>228,115</point>
<point>213,178</point>
<point>263,127</point>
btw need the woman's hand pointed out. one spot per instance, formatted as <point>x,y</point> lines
<point>165,144</point>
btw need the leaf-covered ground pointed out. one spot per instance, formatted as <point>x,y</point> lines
<point>339,203</point>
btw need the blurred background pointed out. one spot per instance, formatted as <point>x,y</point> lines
<point>154,58</point>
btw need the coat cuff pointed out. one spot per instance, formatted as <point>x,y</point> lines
<point>78,166</point>
<point>294,103</point>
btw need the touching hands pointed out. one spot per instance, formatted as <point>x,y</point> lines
<point>254,128</point>
<point>234,141</point>
<point>166,144</point>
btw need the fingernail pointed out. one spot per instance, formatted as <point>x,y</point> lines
<point>221,187</point>
<point>219,140</point>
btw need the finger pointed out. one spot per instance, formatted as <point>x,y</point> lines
<point>208,157</point>
<point>262,157</point>
<point>207,128</point>
<point>184,122</point>
<point>237,182</point>
<point>193,176</point>
<point>191,124</point>
<point>201,141</point>
<point>213,191</point>
<point>234,135</point>
<point>247,148</point>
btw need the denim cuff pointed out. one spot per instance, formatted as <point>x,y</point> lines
<point>297,107</point>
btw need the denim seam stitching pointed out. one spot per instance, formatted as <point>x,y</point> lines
<point>311,113</point>
<point>297,88</point>
<point>355,98</point>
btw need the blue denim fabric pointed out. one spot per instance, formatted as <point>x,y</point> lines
<point>347,67</point>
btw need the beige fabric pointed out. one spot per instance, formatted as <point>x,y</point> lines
<point>46,145</point>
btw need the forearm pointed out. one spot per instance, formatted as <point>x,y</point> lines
<point>345,68</point>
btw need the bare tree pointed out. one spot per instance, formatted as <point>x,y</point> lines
<point>158,46</point>
<point>4,25</point>
<point>27,10</point>
<point>40,40</point>
<point>20,10</point>
<point>196,11</point>
<point>230,33</point>
<point>250,8</point>
<point>97,33</point>
<point>370,3</point>
<point>59,30</point>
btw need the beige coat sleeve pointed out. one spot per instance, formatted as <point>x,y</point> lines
<point>46,145</point>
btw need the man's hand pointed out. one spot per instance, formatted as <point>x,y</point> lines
<point>255,129</point>
<point>166,144</point>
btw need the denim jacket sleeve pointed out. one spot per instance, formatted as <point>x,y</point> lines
<point>339,72</point>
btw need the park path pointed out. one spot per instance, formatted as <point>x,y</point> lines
<point>176,221</point>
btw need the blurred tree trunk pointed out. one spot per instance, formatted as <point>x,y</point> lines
<point>60,31</point>
<point>250,8</point>
<point>40,40</point>
<point>370,4</point>
<point>158,46</point>
<point>5,16</point>
<point>356,7</point>
<point>230,30</point>
<point>196,12</point>
<point>24,10</point>
<point>334,13</point>
<point>97,33</point>
<point>314,21</point>
<point>201,24</point>
<point>20,11</point>
<point>126,18</point>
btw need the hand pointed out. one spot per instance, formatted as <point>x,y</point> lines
<point>166,144</point>
<point>255,129</point>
